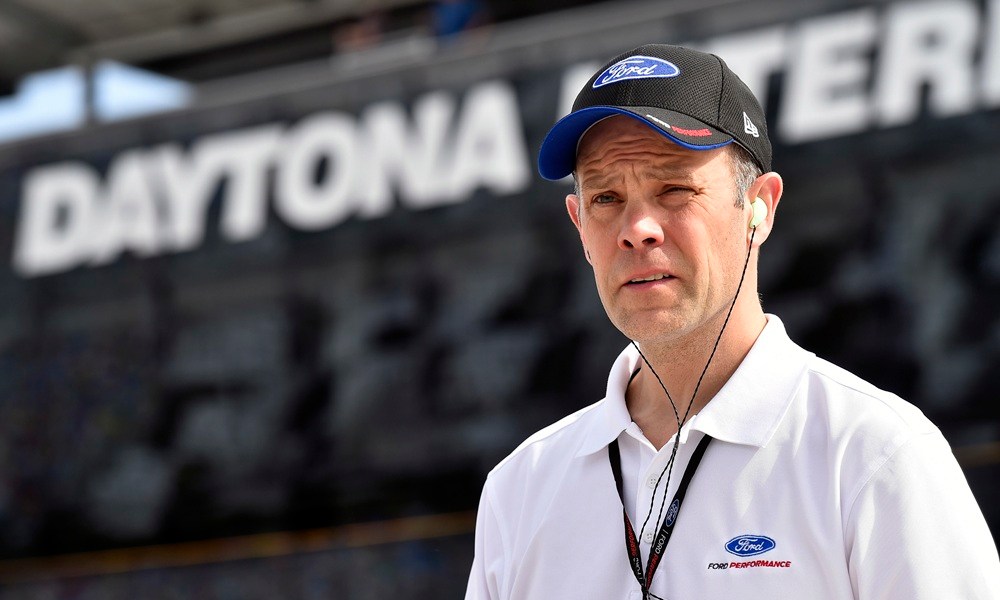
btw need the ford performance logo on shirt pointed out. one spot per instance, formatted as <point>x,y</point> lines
<point>749,545</point>
<point>636,67</point>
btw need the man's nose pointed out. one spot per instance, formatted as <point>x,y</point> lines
<point>641,229</point>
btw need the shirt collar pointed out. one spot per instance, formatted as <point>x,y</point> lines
<point>748,408</point>
<point>612,413</point>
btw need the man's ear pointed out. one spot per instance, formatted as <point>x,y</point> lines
<point>768,187</point>
<point>573,208</point>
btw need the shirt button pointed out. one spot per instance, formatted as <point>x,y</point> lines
<point>648,537</point>
<point>651,482</point>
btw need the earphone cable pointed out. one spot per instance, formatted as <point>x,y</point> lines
<point>668,468</point>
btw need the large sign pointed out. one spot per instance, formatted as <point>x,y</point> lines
<point>842,73</point>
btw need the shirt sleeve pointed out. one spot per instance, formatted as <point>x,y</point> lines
<point>916,532</point>
<point>488,564</point>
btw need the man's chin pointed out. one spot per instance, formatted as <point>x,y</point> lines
<point>653,326</point>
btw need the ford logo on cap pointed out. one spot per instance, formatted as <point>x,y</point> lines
<point>636,67</point>
<point>749,545</point>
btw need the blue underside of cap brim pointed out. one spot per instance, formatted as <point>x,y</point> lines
<point>557,156</point>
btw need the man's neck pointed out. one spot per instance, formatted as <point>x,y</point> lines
<point>680,367</point>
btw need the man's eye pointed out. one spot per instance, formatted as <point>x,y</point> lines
<point>604,199</point>
<point>674,189</point>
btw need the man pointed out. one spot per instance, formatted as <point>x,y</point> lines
<point>724,461</point>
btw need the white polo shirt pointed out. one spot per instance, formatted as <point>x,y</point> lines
<point>816,485</point>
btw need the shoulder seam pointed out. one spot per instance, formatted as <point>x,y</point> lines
<point>839,382</point>
<point>542,434</point>
<point>880,398</point>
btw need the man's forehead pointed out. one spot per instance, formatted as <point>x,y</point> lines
<point>617,128</point>
<point>622,139</point>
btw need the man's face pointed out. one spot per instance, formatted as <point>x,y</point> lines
<point>661,228</point>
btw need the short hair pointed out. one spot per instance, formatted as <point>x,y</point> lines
<point>745,171</point>
<point>744,167</point>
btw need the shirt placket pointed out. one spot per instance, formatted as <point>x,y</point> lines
<point>648,492</point>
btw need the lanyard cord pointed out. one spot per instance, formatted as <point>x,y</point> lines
<point>659,544</point>
<point>669,467</point>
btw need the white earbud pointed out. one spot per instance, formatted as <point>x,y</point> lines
<point>759,213</point>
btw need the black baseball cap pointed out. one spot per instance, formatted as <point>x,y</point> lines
<point>690,97</point>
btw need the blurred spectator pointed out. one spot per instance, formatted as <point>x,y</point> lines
<point>451,17</point>
<point>362,32</point>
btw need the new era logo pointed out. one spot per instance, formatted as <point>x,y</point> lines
<point>749,127</point>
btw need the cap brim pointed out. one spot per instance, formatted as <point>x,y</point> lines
<point>557,156</point>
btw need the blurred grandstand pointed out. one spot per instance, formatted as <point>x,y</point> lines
<point>282,284</point>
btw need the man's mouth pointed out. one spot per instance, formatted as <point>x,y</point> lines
<point>657,277</point>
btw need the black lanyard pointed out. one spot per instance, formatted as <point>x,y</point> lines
<point>667,528</point>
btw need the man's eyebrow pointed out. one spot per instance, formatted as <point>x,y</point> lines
<point>597,180</point>
<point>662,173</point>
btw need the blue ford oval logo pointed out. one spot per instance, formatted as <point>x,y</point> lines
<point>675,506</point>
<point>636,67</point>
<point>749,545</point>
